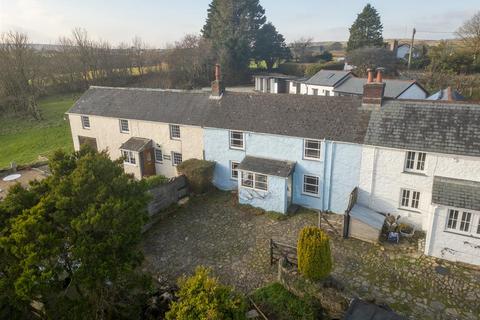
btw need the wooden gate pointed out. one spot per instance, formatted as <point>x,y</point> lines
<point>280,250</point>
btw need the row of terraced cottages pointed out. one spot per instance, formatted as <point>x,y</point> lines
<point>418,159</point>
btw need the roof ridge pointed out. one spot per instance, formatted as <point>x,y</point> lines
<point>147,89</point>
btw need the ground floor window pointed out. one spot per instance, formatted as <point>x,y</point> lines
<point>158,156</point>
<point>128,157</point>
<point>234,170</point>
<point>410,199</point>
<point>255,181</point>
<point>463,221</point>
<point>176,158</point>
<point>311,185</point>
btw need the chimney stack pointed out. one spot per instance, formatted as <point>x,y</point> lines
<point>217,84</point>
<point>373,91</point>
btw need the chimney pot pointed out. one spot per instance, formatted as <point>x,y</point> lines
<point>370,75</point>
<point>380,75</point>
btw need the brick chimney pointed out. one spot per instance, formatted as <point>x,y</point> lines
<point>373,91</point>
<point>217,84</point>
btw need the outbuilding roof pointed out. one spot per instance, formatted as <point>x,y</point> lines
<point>456,193</point>
<point>439,127</point>
<point>136,144</point>
<point>447,94</point>
<point>270,167</point>
<point>393,88</point>
<point>328,78</point>
<point>363,310</point>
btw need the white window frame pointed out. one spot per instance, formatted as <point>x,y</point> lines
<point>410,199</point>
<point>305,149</point>
<point>174,161</point>
<point>304,191</point>
<point>175,131</point>
<point>129,157</point>
<point>121,122</point>
<point>155,155</point>
<point>474,223</point>
<point>417,159</point>
<point>232,169</point>
<point>232,139</point>
<point>85,120</point>
<point>254,181</point>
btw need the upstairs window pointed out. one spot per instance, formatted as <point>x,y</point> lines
<point>312,149</point>
<point>158,156</point>
<point>124,128</point>
<point>85,122</point>
<point>410,199</point>
<point>128,157</point>
<point>415,161</point>
<point>237,140</point>
<point>176,158</point>
<point>175,132</point>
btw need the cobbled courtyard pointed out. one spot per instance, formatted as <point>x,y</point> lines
<point>234,241</point>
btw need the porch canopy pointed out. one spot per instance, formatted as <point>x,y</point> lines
<point>269,167</point>
<point>456,193</point>
<point>137,144</point>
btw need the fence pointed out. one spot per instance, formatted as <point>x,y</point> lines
<point>280,250</point>
<point>164,196</point>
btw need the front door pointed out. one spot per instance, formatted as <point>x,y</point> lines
<point>147,159</point>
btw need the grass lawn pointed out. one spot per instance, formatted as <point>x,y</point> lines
<point>278,303</point>
<point>23,139</point>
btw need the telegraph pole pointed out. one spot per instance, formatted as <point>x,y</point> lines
<point>411,48</point>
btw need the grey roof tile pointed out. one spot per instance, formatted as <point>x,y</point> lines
<point>393,88</point>
<point>328,78</point>
<point>270,167</point>
<point>456,193</point>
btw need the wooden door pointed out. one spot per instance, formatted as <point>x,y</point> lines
<point>148,161</point>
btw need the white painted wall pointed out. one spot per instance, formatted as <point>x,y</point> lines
<point>445,244</point>
<point>402,51</point>
<point>414,92</point>
<point>107,133</point>
<point>308,89</point>
<point>382,177</point>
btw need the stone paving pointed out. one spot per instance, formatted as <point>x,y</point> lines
<point>234,241</point>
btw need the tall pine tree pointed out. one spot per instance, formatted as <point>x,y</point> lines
<point>270,46</point>
<point>367,30</point>
<point>232,27</point>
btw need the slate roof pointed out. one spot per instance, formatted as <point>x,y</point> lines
<point>171,106</point>
<point>393,88</point>
<point>441,127</point>
<point>456,193</point>
<point>328,78</point>
<point>267,166</point>
<point>274,75</point>
<point>136,144</point>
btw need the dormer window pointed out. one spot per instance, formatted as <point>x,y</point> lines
<point>415,161</point>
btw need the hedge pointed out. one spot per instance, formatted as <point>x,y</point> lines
<point>199,174</point>
<point>314,256</point>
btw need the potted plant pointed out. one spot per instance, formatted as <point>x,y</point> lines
<point>406,230</point>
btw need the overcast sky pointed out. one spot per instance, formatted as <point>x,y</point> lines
<point>160,22</point>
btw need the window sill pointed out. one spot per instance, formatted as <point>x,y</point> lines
<point>85,128</point>
<point>312,159</point>
<point>458,233</point>
<point>415,173</point>
<point>125,132</point>
<point>235,148</point>
<point>312,195</point>
<point>409,210</point>
<point>175,138</point>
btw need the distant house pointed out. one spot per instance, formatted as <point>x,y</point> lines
<point>394,89</point>
<point>402,51</point>
<point>272,82</point>
<point>320,84</point>
<point>447,94</point>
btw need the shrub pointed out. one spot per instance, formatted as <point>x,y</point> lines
<point>199,174</point>
<point>313,250</point>
<point>203,297</point>
<point>291,68</point>
<point>155,181</point>
<point>279,303</point>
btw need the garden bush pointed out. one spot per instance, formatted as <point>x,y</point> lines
<point>203,297</point>
<point>155,181</point>
<point>199,174</point>
<point>314,256</point>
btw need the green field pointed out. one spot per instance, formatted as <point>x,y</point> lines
<point>23,139</point>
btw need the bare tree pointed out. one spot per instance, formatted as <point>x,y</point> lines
<point>469,32</point>
<point>20,73</point>
<point>300,48</point>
